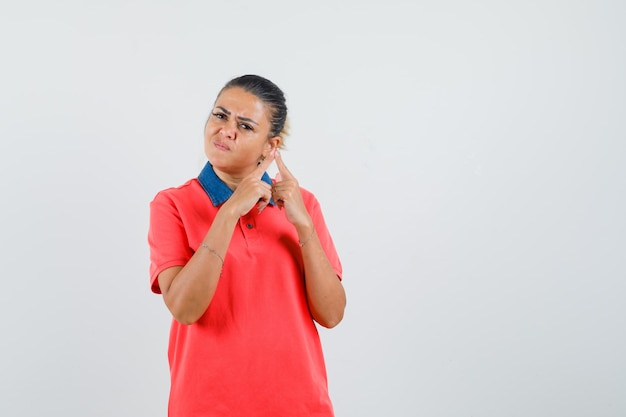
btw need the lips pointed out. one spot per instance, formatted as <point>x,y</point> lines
<point>221,146</point>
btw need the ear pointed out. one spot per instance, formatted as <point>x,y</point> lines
<point>272,143</point>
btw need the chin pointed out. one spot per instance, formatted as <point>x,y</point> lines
<point>214,156</point>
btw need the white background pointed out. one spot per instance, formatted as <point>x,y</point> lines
<point>469,158</point>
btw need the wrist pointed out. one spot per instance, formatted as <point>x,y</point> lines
<point>228,214</point>
<point>304,228</point>
<point>305,234</point>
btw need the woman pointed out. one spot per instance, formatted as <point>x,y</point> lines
<point>245,265</point>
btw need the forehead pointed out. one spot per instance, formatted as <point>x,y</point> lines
<point>242,103</point>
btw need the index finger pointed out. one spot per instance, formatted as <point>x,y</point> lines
<point>282,168</point>
<point>263,166</point>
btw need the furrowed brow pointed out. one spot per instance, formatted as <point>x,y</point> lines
<point>245,119</point>
<point>224,110</point>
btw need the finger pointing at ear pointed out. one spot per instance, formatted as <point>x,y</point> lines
<point>283,171</point>
<point>286,193</point>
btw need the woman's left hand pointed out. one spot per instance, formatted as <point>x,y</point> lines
<point>286,193</point>
<point>325,294</point>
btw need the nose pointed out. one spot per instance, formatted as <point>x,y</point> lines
<point>229,131</point>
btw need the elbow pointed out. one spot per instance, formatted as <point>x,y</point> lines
<point>186,320</point>
<point>330,320</point>
<point>183,314</point>
<point>332,315</point>
<point>329,324</point>
<point>188,315</point>
<point>185,317</point>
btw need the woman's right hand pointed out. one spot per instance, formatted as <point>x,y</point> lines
<point>252,190</point>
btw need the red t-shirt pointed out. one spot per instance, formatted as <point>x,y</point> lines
<point>256,350</point>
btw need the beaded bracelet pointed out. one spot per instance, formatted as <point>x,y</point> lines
<point>204,245</point>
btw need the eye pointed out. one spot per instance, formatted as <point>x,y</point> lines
<point>219,115</point>
<point>245,126</point>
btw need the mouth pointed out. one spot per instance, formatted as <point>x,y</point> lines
<point>221,146</point>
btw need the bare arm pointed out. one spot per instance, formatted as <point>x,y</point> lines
<point>188,290</point>
<point>325,293</point>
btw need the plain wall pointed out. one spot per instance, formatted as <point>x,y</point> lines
<point>468,156</point>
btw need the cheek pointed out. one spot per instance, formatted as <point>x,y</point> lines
<point>206,148</point>
<point>208,128</point>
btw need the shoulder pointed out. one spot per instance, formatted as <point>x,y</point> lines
<point>306,193</point>
<point>310,200</point>
<point>189,189</point>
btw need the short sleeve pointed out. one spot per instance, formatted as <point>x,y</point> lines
<point>167,238</point>
<point>315,211</point>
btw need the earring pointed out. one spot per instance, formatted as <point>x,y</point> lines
<point>261,159</point>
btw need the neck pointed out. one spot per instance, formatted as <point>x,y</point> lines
<point>232,181</point>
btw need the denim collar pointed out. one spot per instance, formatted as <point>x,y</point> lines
<point>217,190</point>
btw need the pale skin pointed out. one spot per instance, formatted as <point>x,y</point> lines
<point>236,137</point>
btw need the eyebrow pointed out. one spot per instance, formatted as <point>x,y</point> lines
<point>243,119</point>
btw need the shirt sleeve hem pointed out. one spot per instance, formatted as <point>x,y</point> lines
<point>154,282</point>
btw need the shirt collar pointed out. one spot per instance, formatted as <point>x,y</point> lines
<point>216,189</point>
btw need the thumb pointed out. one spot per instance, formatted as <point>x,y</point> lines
<point>279,177</point>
